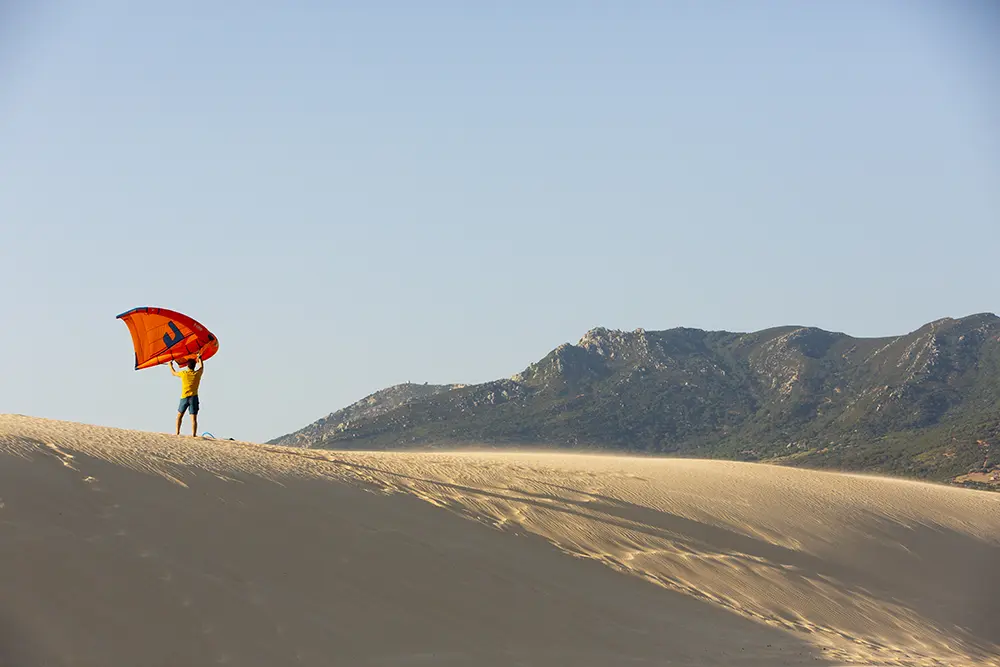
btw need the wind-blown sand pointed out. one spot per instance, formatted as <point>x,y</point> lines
<point>127,548</point>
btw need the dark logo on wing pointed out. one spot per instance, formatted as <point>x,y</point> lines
<point>169,340</point>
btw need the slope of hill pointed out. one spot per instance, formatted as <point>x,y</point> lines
<point>370,407</point>
<point>925,404</point>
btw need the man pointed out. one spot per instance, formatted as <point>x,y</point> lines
<point>190,379</point>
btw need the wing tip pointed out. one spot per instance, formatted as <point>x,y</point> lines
<point>133,310</point>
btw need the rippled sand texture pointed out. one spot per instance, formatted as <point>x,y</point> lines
<point>678,561</point>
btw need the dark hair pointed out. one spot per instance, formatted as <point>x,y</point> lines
<point>191,364</point>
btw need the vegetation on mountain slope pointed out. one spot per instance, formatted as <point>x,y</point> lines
<point>925,404</point>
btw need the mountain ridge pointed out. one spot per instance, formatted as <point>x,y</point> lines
<point>924,404</point>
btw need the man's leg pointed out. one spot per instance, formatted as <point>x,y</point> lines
<point>181,409</point>
<point>194,415</point>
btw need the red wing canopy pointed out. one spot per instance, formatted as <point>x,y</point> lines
<point>160,336</point>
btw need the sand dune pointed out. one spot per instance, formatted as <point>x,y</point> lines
<point>128,548</point>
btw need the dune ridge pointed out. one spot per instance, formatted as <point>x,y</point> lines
<point>868,570</point>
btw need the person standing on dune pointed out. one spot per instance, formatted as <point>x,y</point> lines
<point>190,380</point>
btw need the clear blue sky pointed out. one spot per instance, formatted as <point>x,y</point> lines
<point>353,195</point>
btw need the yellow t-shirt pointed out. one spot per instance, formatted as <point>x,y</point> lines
<point>190,381</point>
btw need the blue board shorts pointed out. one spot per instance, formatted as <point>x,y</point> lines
<point>189,402</point>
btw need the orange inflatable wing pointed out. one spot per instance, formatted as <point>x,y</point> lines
<point>160,336</point>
